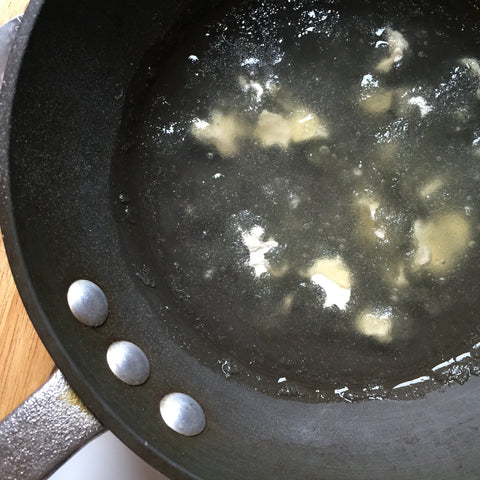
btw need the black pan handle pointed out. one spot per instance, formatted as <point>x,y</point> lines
<point>44,431</point>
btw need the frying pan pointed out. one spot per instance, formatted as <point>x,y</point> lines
<point>69,90</point>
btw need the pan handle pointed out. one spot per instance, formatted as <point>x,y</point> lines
<point>44,431</point>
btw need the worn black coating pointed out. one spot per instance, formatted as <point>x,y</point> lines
<point>61,110</point>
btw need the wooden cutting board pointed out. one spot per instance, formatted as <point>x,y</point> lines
<point>24,362</point>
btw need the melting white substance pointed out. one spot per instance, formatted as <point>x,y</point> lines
<point>368,80</point>
<point>300,126</point>
<point>440,242</point>
<point>306,126</point>
<point>432,187</point>
<point>286,305</point>
<point>272,129</point>
<point>376,323</point>
<point>333,277</point>
<point>472,64</point>
<point>258,249</point>
<point>335,294</point>
<point>372,206</point>
<point>223,132</point>
<point>377,102</point>
<point>369,228</point>
<point>397,46</point>
<point>200,124</point>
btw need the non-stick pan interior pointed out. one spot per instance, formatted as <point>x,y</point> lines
<point>240,225</point>
<point>111,179</point>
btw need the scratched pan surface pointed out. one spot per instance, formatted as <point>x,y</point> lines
<point>87,193</point>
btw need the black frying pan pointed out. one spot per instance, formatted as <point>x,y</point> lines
<point>76,204</point>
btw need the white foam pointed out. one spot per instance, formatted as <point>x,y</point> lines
<point>250,61</point>
<point>368,80</point>
<point>421,103</point>
<point>200,124</point>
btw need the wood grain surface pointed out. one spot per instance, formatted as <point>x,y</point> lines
<point>24,362</point>
<point>11,8</point>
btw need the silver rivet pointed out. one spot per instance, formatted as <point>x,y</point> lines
<point>183,414</point>
<point>128,362</point>
<point>87,302</point>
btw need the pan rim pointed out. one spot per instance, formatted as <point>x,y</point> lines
<point>58,351</point>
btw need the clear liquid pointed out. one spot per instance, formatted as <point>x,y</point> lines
<point>368,168</point>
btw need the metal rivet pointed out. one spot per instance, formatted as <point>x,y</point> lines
<point>87,302</point>
<point>183,414</point>
<point>128,362</point>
